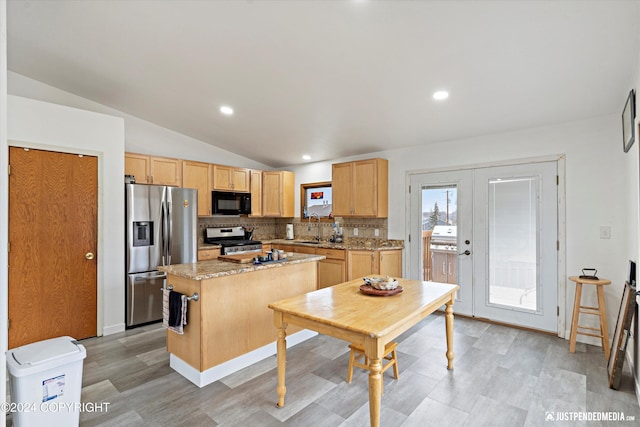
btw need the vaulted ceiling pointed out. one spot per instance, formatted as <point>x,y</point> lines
<point>333,78</point>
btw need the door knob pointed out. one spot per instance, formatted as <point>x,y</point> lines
<point>88,255</point>
<point>467,252</point>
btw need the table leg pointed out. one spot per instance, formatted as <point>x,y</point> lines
<point>449,330</point>
<point>603,322</point>
<point>574,320</point>
<point>281,389</point>
<point>374,355</point>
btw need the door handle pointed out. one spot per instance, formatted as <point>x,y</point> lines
<point>467,252</point>
<point>89,255</point>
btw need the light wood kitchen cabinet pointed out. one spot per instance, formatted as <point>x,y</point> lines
<point>198,175</point>
<point>153,170</point>
<point>363,263</point>
<point>227,178</point>
<point>207,254</point>
<point>333,269</point>
<point>256,193</point>
<point>286,248</point>
<point>390,263</point>
<point>277,194</point>
<point>361,188</point>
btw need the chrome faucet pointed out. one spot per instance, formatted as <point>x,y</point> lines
<point>319,230</point>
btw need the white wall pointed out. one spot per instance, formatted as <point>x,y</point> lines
<point>54,127</point>
<point>633,224</point>
<point>596,188</point>
<point>140,136</point>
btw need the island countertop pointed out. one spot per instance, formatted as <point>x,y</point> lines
<point>217,268</point>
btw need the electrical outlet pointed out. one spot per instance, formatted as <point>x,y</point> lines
<point>376,232</point>
<point>355,231</point>
<point>605,231</point>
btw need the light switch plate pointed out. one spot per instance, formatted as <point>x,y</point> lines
<point>605,231</point>
<point>376,232</point>
<point>355,231</point>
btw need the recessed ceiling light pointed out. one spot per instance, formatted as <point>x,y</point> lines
<point>440,95</point>
<point>306,157</point>
<point>226,110</point>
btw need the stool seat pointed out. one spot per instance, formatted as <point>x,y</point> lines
<point>357,353</point>
<point>600,310</point>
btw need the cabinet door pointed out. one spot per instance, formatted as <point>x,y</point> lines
<point>197,175</point>
<point>256,193</point>
<point>165,171</point>
<point>277,194</point>
<point>341,181</point>
<point>240,180</point>
<point>365,188</point>
<point>138,166</point>
<point>271,199</point>
<point>391,263</point>
<point>222,178</point>
<point>360,263</point>
<point>331,272</point>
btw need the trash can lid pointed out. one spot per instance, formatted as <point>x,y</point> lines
<point>46,351</point>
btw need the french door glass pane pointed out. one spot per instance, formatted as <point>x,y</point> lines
<point>439,208</point>
<point>513,242</point>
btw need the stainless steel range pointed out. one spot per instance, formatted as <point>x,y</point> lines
<point>232,240</point>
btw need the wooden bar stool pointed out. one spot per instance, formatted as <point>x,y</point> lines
<point>357,353</point>
<point>600,310</point>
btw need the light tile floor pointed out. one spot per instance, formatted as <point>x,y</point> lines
<point>501,377</point>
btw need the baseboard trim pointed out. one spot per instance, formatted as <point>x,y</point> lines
<point>204,378</point>
<point>113,329</point>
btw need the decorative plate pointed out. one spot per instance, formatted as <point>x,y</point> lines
<point>370,290</point>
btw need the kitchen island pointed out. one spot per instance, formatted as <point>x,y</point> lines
<point>230,326</point>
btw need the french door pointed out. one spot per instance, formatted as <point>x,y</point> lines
<point>505,257</point>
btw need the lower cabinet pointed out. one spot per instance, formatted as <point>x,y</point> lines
<point>341,265</point>
<point>207,254</point>
<point>364,263</point>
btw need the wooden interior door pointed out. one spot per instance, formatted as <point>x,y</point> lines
<point>53,205</point>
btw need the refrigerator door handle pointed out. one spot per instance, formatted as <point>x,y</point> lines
<point>164,232</point>
<point>169,230</point>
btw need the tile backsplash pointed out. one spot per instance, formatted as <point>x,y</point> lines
<point>274,228</point>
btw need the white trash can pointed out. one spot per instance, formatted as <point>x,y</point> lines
<point>46,382</point>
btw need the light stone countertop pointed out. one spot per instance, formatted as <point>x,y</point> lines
<point>217,268</point>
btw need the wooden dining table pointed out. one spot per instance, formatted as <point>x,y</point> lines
<point>343,311</point>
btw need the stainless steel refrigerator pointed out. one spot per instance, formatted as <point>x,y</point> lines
<point>161,227</point>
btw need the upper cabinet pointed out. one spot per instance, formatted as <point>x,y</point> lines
<point>153,170</point>
<point>361,188</point>
<point>256,193</point>
<point>198,175</point>
<point>227,178</point>
<point>277,194</point>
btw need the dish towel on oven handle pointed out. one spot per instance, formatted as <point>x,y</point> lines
<point>174,311</point>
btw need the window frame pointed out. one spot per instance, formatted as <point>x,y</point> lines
<point>303,198</point>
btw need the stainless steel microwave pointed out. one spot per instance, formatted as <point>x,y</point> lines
<point>230,203</point>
